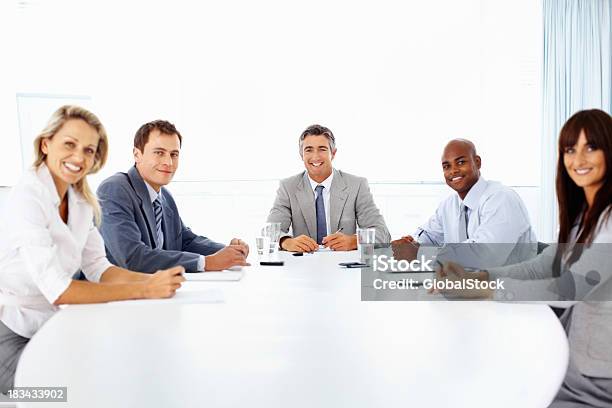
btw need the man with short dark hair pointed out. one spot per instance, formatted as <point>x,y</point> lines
<point>322,205</point>
<point>481,212</point>
<point>141,225</point>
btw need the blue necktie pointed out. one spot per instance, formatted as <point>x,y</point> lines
<point>157,209</point>
<point>320,207</point>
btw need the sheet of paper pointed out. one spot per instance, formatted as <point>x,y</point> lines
<point>227,275</point>
<point>181,296</point>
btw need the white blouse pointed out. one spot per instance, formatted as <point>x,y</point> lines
<point>39,253</point>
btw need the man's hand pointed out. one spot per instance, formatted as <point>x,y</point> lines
<point>340,242</point>
<point>405,248</point>
<point>451,272</point>
<point>163,284</point>
<point>302,243</point>
<point>241,243</point>
<point>231,255</point>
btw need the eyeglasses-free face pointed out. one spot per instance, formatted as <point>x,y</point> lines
<point>70,153</point>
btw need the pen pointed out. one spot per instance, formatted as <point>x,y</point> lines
<point>339,230</point>
<point>426,235</point>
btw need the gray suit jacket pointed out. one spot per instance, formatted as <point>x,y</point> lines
<point>590,283</point>
<point>351,204</point>
<point>129,232</point>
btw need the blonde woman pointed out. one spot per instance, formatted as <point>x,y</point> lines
<point>47,233</point>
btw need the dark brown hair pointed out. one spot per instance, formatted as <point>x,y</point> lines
<point>142,134</point>
<point>597,127</point>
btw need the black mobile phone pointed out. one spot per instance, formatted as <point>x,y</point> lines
<point>298,254</point>
<point>353,264</point>
<point>271,263</point>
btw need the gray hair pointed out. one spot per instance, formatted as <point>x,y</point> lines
<point>318,130</point>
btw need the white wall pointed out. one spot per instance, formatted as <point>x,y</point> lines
<point>241,80</point>
<point>223,210</point>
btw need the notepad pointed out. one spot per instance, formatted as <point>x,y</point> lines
<point>226,275</point>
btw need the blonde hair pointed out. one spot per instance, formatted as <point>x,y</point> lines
<point>57,120</point>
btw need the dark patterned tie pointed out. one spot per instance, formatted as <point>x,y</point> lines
<point>321,222</point>
<point>463,223</point>
<point>157,209</point>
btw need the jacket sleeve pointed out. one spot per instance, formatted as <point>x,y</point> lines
<point>281,211</point>
<point>122,236</point>
<point>368,215</point>
<point>197,243</point>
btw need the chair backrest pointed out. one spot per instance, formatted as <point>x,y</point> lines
<point>541,247</point>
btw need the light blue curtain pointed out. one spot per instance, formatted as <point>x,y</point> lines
<point>577,75</point>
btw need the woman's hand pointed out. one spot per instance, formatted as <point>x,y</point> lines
<point>163,284</point>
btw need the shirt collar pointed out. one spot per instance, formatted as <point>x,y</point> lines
<point>326,183</point>
<point>44,175</point>
<point>152,193</point>
<point>472,198</point>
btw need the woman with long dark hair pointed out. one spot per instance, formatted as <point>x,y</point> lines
<point>581,265</point>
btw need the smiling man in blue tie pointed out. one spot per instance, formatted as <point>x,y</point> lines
<point>141,225</point>
<point>323,205</point>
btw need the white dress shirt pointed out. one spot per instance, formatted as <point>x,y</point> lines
<point>326,195</point>
<point>39,253</point>
<point>496,215</point>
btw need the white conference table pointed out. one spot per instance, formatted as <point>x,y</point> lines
<point>298,336</point>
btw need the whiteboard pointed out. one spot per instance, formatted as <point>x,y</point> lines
<point>34,111</point>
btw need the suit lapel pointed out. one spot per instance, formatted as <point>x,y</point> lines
<point>305,197</point>
<point>145,203</point>
<point>337,200</point>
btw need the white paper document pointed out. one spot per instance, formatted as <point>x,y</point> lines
<point>227,275</point>
<point>181,296</point>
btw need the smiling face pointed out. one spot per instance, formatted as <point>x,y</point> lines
<point>585,164</point>
<point>461,166</point>
<point>317,157</point>
<point>70,153</point>
<point>159,160</point>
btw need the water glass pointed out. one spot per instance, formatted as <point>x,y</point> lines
<point>263,245</point>
<point>272,231</point>
<point>366,238</point>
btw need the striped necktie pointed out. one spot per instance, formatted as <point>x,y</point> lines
<point>157,209</point>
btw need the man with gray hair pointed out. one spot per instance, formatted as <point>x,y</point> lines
<point>322,206</point>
